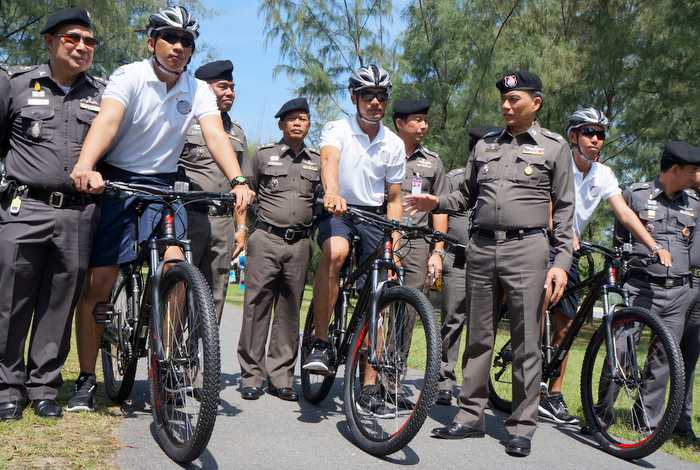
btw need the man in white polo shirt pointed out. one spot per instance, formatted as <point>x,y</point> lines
<point>594,182</point>
<point>360,161</point>
<point>138,137</point>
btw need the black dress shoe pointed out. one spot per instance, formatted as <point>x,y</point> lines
<point>251,393</point>
<point>11,410</point>
<point>284,393</point>
<point>456,431</point>
<point>444,398</point>
<point>518,447</point>
<point>47,408</point>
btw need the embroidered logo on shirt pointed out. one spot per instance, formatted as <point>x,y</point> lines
<point>595,191</point>
<point>184,107</point>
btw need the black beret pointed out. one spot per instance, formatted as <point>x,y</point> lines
<point>67,15</point>
<point>217,70</point>
<point>682,152</point>
<point>296,104</point>
<point>413,106</point>
<point>476,133</point>
<point>519,80</point>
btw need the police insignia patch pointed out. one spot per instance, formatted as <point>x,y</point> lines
<point>510,81</point>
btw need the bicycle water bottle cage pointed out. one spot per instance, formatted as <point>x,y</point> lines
<point>103,313</point>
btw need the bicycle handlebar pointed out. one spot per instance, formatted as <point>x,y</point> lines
<point>146,191</point>
<point>618,253</point>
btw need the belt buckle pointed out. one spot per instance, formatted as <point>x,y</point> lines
<point>56,200</point>
<point>500,235</point>
<point>289,234</point>
<point>669,282</point>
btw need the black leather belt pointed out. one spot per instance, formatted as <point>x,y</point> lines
<point>214,210</point>
<point>667,282</point>
<point>501,235</point>
<point>54,199</point>
<point>289,234</point>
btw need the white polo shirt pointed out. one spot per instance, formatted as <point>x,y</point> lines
<point>599,184</point>
<point>365,167</point>
<point>152,133</point>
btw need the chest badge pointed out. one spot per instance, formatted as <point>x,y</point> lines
<point>650,227</point>
<point>274,184</point>
<point>485,169</point>
<point>184,107</point>
<point>528,171</point>
<point>685,232</point>
<point>595,191</point>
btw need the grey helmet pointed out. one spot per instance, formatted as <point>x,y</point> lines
<point>372,76</point>
<point>587,116</point>
<point>173,18</point>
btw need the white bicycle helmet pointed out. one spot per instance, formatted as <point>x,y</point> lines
<point>173,18</point>
<point>587,116</point>
<point>372,76</point>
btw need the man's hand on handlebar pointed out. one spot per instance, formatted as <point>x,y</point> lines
<point>334,204</point>
<point>420,203</point>
<point>87,180</point>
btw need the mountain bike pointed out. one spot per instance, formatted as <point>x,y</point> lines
<point>370,333</point>
<point>163,310</point>
<point>616,363</point>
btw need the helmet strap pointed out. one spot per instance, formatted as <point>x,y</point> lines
<point>166,71</point>
<point>364,119</point>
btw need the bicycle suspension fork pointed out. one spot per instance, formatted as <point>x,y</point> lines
<point>377,286</point>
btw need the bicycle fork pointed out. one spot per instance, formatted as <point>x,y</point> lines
<point>386,262</point>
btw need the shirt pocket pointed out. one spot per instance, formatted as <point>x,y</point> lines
<point>310,179</point>
<point>274,178</point>
<point>653,220</point>
<point>36,123</point>
<point>84,118</point>
<point>487,167</point>
<point>531,170</point>
<point>686,225</point>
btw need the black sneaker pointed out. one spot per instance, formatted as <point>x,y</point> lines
<point>319,358</point>
<point>554,408</point>
<point>83,398</point>
<point>371,400</point>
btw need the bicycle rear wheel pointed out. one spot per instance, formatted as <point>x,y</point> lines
<point>501,376</point>
<point>633,412</point>
<point>385,424</point>
<point>119,359</point>
<point>185,385</point>
<point>314,387</point>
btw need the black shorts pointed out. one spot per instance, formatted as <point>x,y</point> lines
<point>568,304</point>
<point>347,227</point>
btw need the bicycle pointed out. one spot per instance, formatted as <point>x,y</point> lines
<point>163,310</point>
<point>615,362</point>
<point>375,340</point>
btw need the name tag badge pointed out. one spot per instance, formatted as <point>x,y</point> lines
<point>424,164</point>
<point>39,94</point>
<point>651,202</point>
<point>90,107</point>
<point>416,184</point>
<point>533,150</point>
<point>309,167</point>
<point>274,158</point>
<point>38,102</point>
<point>274,163</point>
<point>689,213</point>
<point>491,148</point>
<point>651,214</point>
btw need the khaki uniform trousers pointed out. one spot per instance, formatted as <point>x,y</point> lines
<point>516,268</point>
<point>455,314</point>
<point>212,245</point>
<point>275,278</point>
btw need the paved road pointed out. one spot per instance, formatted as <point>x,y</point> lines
<point>271,433</point>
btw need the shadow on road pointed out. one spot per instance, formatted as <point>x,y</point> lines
<point>332,405</point>
<point>409,456</point>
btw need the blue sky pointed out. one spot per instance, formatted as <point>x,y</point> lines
<point>235,32</point>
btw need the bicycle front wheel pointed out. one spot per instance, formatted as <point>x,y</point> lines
<point>387,398</point>
<point>119,359</point>
<point>631,409</point>
<point>185,384</point>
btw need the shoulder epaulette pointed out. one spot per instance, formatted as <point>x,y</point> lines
<point>552,135</point>
<point>638,186</point>
<point>430,152</point>
<point>237,124</point>
<point>16,70</point>
<point>266,146</point>
<point>692,193</point>
<point>455,172</point>
<point>313,150</point>
<point>491,134</point>
<point>99,80</point>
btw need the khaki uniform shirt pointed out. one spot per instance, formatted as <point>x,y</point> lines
<point>286,184</point>
<point>671,222</point>
<point>457,222</point>
<point>45,125</point>
<point>424,169</point>
<point>509,182</point>
<point>199,165</point>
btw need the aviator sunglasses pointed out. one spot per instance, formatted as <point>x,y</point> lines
<point>171,37</point>
<point>74,39</point>
<point>592,131</point>
<point>368,96</point>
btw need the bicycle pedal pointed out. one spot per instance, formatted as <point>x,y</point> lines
<point>103,313</point>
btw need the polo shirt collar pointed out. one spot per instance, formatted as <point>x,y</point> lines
<point>181,86</point>
<point>357,130</point>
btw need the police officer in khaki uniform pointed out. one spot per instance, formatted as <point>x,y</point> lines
<point>211,227</point>
<point>454,300</point>
<point>510,179</point>
<point>286,178</point>
<point>669,210</point>
<point>46,226</point>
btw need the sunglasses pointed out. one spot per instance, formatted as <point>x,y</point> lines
<point>591,131</point>
<point>171,37</point>
<point>73,39</point>
<point>381,96</point>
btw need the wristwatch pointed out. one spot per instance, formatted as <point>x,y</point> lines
<point>238,180</point>
<point>656,249</point>
<point>440,252</point>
